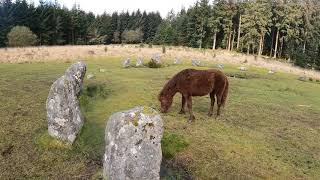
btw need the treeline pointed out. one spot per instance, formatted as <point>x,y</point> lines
<point>288,29</point>
<point>57,25</point>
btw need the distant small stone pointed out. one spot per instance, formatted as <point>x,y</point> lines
<point>302,78</point>
<point>220,66</point>
<point>126,63</point>
<point>90,76</point>
<point>271,72</point>
<point>177,61</point>
<point>156,58</point>
<point>242,68</point>
<point>102,70</point>
<point>195,62</point>
<point>139,62</point>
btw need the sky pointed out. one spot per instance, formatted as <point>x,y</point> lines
<point>99,6</point>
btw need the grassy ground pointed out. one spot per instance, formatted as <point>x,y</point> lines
<point>269,129</point>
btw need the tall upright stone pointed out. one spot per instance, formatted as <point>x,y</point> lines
<point>133,145</point>
<point>63,111</point>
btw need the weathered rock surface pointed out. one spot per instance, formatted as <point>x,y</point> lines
<point>133,145</point>
<point>63,111</point>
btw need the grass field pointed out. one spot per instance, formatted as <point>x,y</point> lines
<point>269,129</point>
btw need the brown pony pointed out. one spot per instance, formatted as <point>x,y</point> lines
<point>191,82</point>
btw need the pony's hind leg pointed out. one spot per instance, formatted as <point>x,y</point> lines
<point>219,102</point>
<point>212,94</point>
<point>189,103</point>
<point>183,105</point>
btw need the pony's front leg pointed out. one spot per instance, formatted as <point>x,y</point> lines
<point>183,105</point>
<point>189,103</point>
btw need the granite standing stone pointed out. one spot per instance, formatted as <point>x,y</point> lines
<point>63,111</point>
<point>133,145</point>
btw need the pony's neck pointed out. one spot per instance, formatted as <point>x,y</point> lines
<point>170,89</point>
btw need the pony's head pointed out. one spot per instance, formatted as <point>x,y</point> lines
<point>166,102</point>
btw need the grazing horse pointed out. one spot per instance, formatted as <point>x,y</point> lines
<point>191,82</point>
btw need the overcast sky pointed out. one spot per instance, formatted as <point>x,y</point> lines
<point>99,6</point>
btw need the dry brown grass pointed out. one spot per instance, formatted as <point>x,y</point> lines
<point>67,53</point>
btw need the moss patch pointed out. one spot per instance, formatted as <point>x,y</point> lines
<point>171,144</point>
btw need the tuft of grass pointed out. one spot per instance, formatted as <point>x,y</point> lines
<point>172,144</point>
<point>153,64</point>
<point>45,141</point>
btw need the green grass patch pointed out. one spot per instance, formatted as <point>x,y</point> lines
<point>171,144</point>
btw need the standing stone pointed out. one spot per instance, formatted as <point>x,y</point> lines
<point>195,62</point>
<point>139,62</point>
<point>133,145</point>
<point>177,61</point>
<point>156,58</point>
<point>63,112</point>
<point>126,63</point>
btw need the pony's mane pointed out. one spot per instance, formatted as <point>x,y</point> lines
<point>168,87</point>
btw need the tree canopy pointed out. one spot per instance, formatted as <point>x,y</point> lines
<point>287,29</point>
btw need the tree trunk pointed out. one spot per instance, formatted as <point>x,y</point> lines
<point>305,42</point>
<point>272,37</point>
<point>40,39</point>
<point>239,30</point>
<point>214,41</point>
<point>248,49</point>
<point>260,46</point>
<point>281,47</point>
<point>201,30</point>
<point>233,37</point>
<point>229,41</point>
<point>276,47</point>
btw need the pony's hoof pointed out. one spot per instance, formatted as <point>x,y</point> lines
<point>191,119</point>
<point>210,114</point>
<point>182,112</point>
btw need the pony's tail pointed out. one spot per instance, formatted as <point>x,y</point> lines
<point>225,92</point>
